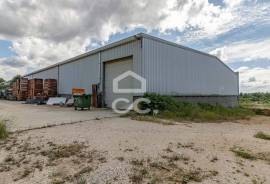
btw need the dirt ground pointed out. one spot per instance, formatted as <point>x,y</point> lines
<point>121,150</point>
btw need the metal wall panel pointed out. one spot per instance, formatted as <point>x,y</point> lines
<point>126,50</point>
<point>86,71</point>
<point>168,70</point>
<point>177,71</point>
<point>113,70</point>
<point>79,74</point>
<point>51,73</point>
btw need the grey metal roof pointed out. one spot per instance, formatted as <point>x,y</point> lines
<point>121,42</point>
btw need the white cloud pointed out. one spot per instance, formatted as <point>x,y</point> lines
<point>215,21</point>
<point>233,3</point>
<point>63,20</point>
<point>254,79</point>
<point>7,71</point>
<point>200,15</point>
<point>45,32</point>
<point>244,51</point>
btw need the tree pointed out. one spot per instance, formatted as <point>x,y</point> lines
<point>2,83</point>
<point>2,80</point>
<point>5,84</point>
<point>14,79</point>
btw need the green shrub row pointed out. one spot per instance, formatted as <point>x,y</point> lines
<point>170,108</point>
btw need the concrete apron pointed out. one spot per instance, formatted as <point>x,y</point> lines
<point>21,117</point>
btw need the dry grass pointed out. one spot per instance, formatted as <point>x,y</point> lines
<point>64,151</point>
<point>164,172</point>
<point>152,119</point>
<point>262,135</point>
<point>167,169</point>
<point>23,174</point>
<point>121,159</point>
<point>240,152</point>
<point>81,180</point>
<point>214,159</point>
<point>3,130</point>
<point>264,156</point>
<point>23,154</point>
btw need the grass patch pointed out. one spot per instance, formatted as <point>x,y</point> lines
<point>264,156</point>
<point>259,103</point>
<point>262,135</point>
<point>81,180</point>
<point>23,174</point>
<point>64,151</point>
<point>261,111</point>
<point>3,130</point>
<point>167,169</point>
<point>166,172</point>
<point>174,110</point>
<point>153,119</point>
<point>258,99</point>
<point>240,152</point>
<point>25,157</point>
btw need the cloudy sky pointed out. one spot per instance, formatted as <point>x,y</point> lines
<point>38,33</point>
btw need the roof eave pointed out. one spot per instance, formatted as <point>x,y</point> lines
<point>109,46</point>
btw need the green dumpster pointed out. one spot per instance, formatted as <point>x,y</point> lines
<point>82,101</point>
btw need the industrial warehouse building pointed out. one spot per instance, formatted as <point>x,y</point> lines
<point>168,68</point>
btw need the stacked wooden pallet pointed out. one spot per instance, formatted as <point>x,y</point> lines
<point>14,89</point>
<point>22,89</point>
<point>50,87</point>
<point>35,88</point>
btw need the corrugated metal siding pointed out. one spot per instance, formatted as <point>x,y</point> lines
<point>168,70</point>
<point>113,70</point>
<point>85,72</point>
<point>79,74</point>
<point>126,50</point>
<point>176,71</point>
<point>51,73</point>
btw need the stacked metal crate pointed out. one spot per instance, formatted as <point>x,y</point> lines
<point>22,89</point>
<point>35,88</point>
<point>50,87</point>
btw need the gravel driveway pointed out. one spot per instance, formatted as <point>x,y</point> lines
<point>120,150</point>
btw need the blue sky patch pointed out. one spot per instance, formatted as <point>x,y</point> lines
<point>5,50</point>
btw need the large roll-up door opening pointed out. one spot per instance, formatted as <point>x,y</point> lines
<point>112,70</point>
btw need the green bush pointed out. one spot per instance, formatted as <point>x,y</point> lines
<point>171,108</point>
<point>3,130</point>
<point>262,135</point>
<point>263,98</point>
<point>159,102</point>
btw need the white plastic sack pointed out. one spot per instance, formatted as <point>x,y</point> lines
<point>57,101</point>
